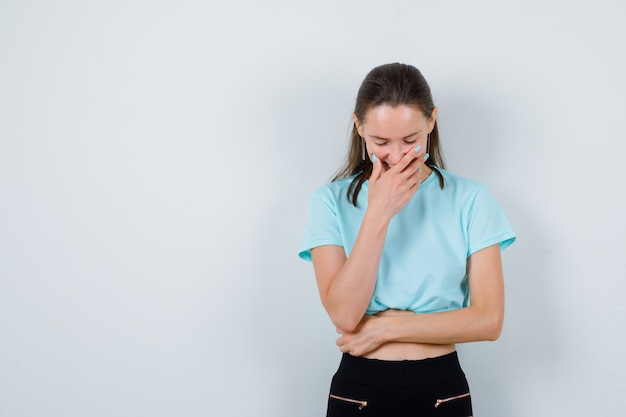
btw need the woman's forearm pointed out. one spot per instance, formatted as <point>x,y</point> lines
<point>470,324</point>
<point>347,284</point>
<point>348,292</point>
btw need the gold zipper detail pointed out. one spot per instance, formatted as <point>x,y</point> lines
<point>445,400</point>
<point>362,404</point>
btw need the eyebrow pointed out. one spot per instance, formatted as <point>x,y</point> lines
<point>406,137</point>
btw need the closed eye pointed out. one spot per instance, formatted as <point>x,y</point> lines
<point>411,138</point>
<point>407,141</point>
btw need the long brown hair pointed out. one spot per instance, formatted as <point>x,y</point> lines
<point>392,85</point>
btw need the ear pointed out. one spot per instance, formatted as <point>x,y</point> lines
<point>358,125</point>
<point>433,118</point>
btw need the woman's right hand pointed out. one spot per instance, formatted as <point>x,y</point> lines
<point>390,189</point>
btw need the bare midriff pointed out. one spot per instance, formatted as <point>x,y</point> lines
<point>397,351</point>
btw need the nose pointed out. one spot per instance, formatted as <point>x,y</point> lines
<point>395,155</point>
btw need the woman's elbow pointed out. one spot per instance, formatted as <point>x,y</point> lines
<point>493,327</point>
<point>345,323</point>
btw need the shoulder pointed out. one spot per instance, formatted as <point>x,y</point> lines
<point>459,185</point>
<point>481,215</point>
<point>466,194</point>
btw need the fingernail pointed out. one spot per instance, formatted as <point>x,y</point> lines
<point>418,148</point>
<point>373,157</point>
<point>426,155</point>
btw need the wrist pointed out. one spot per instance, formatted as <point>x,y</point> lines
<point>384,334</point>
<point>376,218</point>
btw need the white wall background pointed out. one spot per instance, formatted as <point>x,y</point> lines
<point>156,159</point>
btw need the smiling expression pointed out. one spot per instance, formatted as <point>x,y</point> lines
<point>391,132</point>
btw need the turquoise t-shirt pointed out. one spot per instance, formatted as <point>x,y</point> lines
<point>424,259</point>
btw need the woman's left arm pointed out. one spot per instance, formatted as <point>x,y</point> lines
<point>481,320</point>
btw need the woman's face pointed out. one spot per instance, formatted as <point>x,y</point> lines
<point>391,132</point>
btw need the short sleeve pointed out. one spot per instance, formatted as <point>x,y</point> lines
<point>486,223</point>
<point>322,227</point>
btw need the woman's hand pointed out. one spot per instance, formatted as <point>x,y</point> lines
<point>364,339</point>
<point>390,189</point>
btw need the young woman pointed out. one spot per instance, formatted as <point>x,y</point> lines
<point>406,257</point>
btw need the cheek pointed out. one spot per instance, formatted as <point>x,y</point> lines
<point>380,151</point>
<point>406,148</point>
<point>395,150</point>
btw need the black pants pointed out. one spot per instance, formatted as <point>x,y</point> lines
<point>377,388</point>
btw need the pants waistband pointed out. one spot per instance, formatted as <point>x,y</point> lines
<point>400,373</point>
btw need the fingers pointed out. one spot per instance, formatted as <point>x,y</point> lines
<point>391,188</point>
<point>412,165</point>
<point>377,168</point>
<point>342,346</point>
<point>411,172</point>
<point>409,168</point>
<point>409,159</point>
